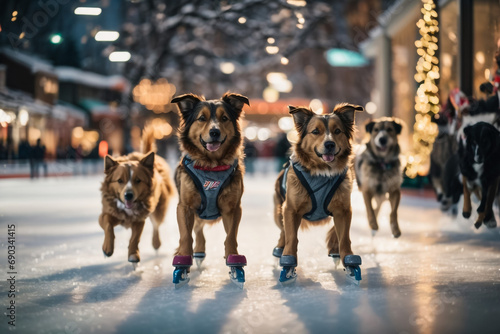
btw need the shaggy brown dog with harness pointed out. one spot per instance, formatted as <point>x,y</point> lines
<point>315,185</point>
<point>209,179</point>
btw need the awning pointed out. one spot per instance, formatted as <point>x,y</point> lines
<point>99,109</point>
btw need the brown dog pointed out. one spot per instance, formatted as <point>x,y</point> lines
<point>378,170</point>
<point>317,184</point>
<point>135,187</point>
<point>209,178</point>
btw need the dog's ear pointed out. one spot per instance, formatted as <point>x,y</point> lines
<point>369,126</point>
<point>109,163</point>
<point>346,112</point>
<point>301,117</point>
<point>398,125</point>
<point>467,131</point>
<point>236,101</point>
<point>186,103</point>
<point>148,161</point>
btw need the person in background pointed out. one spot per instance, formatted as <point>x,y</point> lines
<point>250,155</point>
<point>281,150</point>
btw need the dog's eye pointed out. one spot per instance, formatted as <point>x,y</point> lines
<point>202,118</point>
<point>137,181</point>
<point>337,131</point>
<point>315,132</point>
<point>224,118</point>
<point>120,181</point>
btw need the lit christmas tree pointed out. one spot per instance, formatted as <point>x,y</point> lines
<point>426,100</point>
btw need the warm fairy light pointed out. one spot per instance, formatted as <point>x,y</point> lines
<point>426,99</point>
<point>242,20</point>
<point>272,50</point>
<point>271,40</point>
<point>284,61</point>
<point>154,95</point>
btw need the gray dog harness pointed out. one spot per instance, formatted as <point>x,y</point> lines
<point>320,189</point>
<point>209,183</point>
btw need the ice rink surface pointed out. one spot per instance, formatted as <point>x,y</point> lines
<point>441,276</point>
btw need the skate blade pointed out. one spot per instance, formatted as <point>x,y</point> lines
<point>135,265</point>
<point>289,281</point>
<point>238,284</point>
<point>198,261</point>
<point>182,283</point>
<point>352,279</point>
<point>373,233</point>
<point>336,262</point>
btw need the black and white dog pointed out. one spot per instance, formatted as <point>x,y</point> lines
<point>479,152</point>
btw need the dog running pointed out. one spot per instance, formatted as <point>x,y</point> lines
<point>378,170</point>
<point>135,187</point>
<point>315,184</point>
<point>209,179</point>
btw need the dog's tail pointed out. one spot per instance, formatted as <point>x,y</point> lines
<point>148,142</point>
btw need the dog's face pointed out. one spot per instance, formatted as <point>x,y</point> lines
<point>210,128</point>
<point>384,135</point>
<point>482,138</point>
<point>324,140</point>
<point>130,181</point>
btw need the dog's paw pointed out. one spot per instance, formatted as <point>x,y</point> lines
<point>396,232</point>
<point>478,224</point>
<point>107,250</point>
<point>490,222</point>
<point>134,258</point>
<point>466,214</point>
<point>373,225</point>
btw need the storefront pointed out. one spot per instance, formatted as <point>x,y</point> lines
<point>468,37</point>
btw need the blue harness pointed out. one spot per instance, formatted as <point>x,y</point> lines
<point>209,185</point>
<point>320,189</point>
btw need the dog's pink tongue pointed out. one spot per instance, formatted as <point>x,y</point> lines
<point>129,204</point>
<point>212,147</point>
<point>328,157</point>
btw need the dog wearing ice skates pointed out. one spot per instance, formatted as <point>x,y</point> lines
<point>135,187</point>
<point>378,170</point>
<point>479,152</point>
<point>315,184</point>
<point>209,179</point>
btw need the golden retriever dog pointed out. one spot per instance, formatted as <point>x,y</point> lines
<point>135,187</point>
<point>315,185</point>
<point>209,179</point>
<point>378,170</point>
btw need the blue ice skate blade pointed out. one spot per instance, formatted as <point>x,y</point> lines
<point>277,252</point>
<point>288,260</point>
<point>336,259</point>
<point>237,276</point>
<point>354,274</point>
<point>180,277</point>
<point>352,260</point>
<point>288,275</point>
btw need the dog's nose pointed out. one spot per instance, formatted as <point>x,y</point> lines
<point>383,141</point>
<point>214,133</point>
<point>129,196</point>
<point>329,145</point>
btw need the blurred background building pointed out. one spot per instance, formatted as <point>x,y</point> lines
<point>86,76</point>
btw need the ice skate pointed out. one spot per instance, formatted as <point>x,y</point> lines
<point>199,257</point>
<point>353,271</point>
<point>288,274</point>
<point>236,264</point>
<point>182,263</point>
<point>277,252</point>
<point>336,259</point>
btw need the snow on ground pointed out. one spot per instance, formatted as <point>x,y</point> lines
<point>441,276</point>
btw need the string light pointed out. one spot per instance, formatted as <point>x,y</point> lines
<point>426,99</point>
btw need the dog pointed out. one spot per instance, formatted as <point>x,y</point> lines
<point>315,185</point>
<point>378,170</point>
<point>479,152</point>
<point>209,178</point>
<point>135,187</point>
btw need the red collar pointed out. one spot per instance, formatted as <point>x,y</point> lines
<point>213,169</point>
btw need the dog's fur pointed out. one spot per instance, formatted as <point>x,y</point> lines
<point>378,170</point>
<point>135,187</point>
<point>314,131</point>
<point>479,151</point>
<point>199,117</point>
